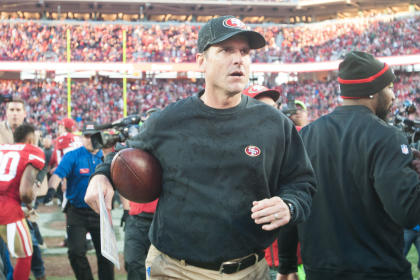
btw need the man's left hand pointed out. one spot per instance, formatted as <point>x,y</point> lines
<point>272,213</point>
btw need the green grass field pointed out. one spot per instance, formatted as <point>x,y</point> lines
<point>413,257</point>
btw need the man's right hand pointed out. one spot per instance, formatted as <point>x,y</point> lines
<point>91,197</point>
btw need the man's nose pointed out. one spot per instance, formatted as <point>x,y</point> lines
<point>237,57</point>
<point>393,95</point>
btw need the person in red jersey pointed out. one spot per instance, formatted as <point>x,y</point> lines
<point>65,142</point>
<point>19,166</point>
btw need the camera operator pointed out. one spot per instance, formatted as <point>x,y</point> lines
<point>137,218</point>
<point>77,166</point>
<point>404,119</point>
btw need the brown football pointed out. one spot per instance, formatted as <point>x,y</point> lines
<point>137,175</point>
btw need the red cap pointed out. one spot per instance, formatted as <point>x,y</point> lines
<point>255,91</point>
<point>68,123</point>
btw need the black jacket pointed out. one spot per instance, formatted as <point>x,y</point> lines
<point>215,164</point>
<point>367,193</point>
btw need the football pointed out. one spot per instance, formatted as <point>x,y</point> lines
<point>137,175</point>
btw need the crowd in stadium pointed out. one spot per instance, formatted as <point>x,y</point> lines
<point>42,41</point>
<point>89,98</point>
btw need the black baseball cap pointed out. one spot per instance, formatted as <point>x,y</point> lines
<point>222,28</point>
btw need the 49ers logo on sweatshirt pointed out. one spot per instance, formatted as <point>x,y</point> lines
<point>234,23</point>
<point>252,151</point>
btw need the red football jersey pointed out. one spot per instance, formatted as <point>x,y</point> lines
<point>64,144</point>
<point>137,208</point>
<point>13,160</point>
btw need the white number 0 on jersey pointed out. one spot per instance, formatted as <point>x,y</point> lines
<point>10,159</point>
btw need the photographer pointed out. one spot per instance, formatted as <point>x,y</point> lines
<point>404,119</point>
<point>137,218</point>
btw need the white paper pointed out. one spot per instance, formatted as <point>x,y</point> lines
<point>109,247</point>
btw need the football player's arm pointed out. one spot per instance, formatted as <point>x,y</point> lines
<point>27,183</point>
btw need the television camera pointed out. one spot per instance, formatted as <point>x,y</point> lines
<point>410,128</point>
<point>125,128</point>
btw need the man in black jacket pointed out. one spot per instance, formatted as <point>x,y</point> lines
<point>229,179</point>
<point>367,189</point>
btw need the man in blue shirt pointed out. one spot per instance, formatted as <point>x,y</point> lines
<point>77,166</point>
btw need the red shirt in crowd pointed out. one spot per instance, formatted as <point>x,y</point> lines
<point>63,144</point>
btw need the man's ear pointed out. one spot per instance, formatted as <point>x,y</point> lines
<point>201,61</point>
<point>373,101</point>
<point>30,139</point>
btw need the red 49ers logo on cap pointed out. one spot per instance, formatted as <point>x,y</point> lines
<point>257,89</point>
<point>252,151</point>
<point>233,23</point>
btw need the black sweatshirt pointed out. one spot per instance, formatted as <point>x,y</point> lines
<point>367,193</point>
<point>215,163</point>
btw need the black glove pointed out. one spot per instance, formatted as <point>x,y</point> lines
<point>124,218</point>
<point>49,196</point>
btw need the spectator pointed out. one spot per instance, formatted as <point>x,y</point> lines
<point>15,115</point>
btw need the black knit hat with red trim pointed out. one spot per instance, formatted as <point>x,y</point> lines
<point>360,74</point>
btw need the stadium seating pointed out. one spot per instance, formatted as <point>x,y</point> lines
<point>147,42</point>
